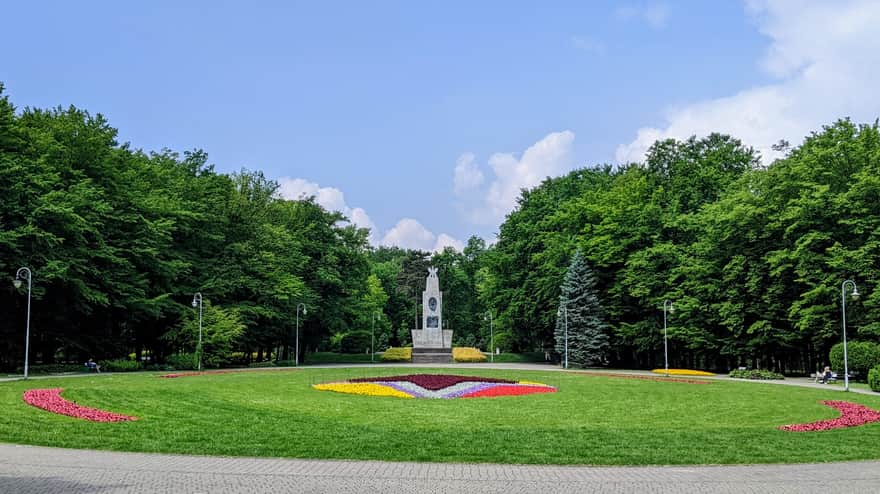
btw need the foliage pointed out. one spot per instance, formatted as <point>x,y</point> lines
<point>183,361</point>
<point>580,322</point>
<point>465,354</point>
<point>53,368</point>
<point>861,356</point>
<point>874,379</point>
<point>757,374</point>
<point>397,354</point>
<point>355,342</point>
<point>120,365</point>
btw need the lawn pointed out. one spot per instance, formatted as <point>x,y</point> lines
<point>590,420</point>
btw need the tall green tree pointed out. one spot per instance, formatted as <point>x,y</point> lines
<point>580,326</point>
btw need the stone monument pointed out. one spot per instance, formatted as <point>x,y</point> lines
<point>432,343</point>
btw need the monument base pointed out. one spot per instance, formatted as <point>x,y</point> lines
<point>432,355</point>
<point>431,338</point>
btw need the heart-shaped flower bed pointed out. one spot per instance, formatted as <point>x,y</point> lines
<point>435,386</point>
<point>851,415</point>
<point>51,401</point>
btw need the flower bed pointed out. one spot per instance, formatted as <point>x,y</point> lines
<point>435,386</point>
<point>682,372</point>
<point>397,354</point>
<point>467,354</point>
<point>51,401</point>
<point>647,378</point>
<point>851,415</point>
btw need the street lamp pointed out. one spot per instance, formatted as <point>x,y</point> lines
<point>667,306</point>
<point>855,296</point>
<point>26,274</point>
<point>564,310</point>
<point>305,311</point>
<point>491,336</point>
<point>376,314</point>
<point>197,302</point>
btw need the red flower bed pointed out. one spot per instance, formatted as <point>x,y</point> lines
<point>502,390</point>
<point>174,375</point>
<point>433,382</point>
<point>648,378</point>
<point>851,415</point>
<point>51,401</point>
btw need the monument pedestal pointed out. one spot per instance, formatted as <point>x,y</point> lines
<point>433,344</point>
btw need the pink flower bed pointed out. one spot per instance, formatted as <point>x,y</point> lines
<point>51,401</point>
<point>851,415</point>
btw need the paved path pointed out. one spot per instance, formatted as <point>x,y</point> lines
<point>33,470</point>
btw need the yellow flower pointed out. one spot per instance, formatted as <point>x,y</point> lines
<point>683,372</point>
<point>368,389</point>
<point>467,354</point>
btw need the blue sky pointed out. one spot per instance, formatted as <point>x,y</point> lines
<point>423,120</point>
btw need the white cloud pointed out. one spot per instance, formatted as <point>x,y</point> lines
<point>549,157</point>
<point>588,45</point>
<point>330,198</point>
<point>467,175</point>
<point>444,240</point>
<point>826,57</point>
<point>407,233</point>
<point>410,234</point>
<point>656,14</point>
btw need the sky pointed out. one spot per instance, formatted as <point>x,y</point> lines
<point>424,120</point>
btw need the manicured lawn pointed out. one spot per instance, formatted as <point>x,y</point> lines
<point>590,420</point>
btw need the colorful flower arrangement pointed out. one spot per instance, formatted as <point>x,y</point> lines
<point>851,415</point>
<point>647,378</point>
<point>51,401</point>
<point>682,372</point>
<point>435,386</point>
<point>467,354</point>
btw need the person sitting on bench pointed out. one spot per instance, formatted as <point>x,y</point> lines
<point>826,375</point>
<point>93,366</point>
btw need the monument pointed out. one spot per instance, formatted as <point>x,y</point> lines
<point>432,343</point>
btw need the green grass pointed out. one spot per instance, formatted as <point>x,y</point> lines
<point>591,420</point>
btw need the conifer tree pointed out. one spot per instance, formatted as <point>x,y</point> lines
<point>587,341</point>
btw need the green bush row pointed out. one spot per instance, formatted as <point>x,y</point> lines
<point>861,356</point>
<point>755,374</point>
<point>120,365</point>
<point>874,379</point>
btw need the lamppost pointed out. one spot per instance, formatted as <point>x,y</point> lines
<point>25,273</point>
<point>197,302</point>
<point>855,296</point>
<point>491,335</point>
<point>667,306</point>
<point>564,311</point>
<point>305,311</point>
<point>376,314</point>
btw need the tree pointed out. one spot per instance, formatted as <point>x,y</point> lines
<point>579,308</point>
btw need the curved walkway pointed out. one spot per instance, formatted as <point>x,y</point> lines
<point>33,470</point>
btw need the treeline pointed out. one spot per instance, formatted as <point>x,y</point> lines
<point>751,257</point>
<point>119,241</point>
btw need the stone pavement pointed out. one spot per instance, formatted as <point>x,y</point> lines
<point>33,470</point>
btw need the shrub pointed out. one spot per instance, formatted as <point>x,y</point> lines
<point>120,365</point>
<point>397,354</point>
<point>355,342</point>
<point>861,356</point>
<point>467,354</point>
<point>874,379</point>
<point>52,368</point>
<point>755,374</point>
<point>273,363</point>
<point>182,361</point>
